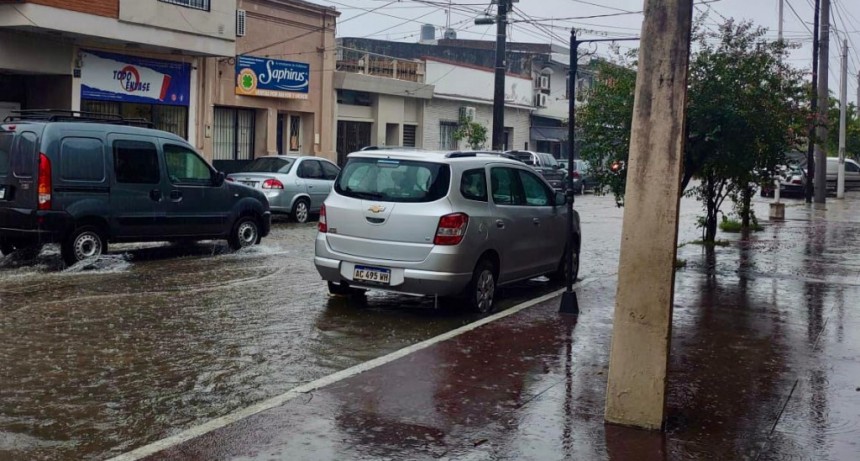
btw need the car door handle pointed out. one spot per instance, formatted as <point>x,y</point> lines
<point>500,224</point>
<point>176,195</point>
<point>155,195</point>
<point>536,221</point>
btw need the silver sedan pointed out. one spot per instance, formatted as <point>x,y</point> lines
<point>294,185</point>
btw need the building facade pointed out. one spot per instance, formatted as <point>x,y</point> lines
<point>119,57</point>
<point>276,95</point>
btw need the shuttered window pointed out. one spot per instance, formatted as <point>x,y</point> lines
<point>233,134</point>
<point>446,135</point>
<point>409,135</point>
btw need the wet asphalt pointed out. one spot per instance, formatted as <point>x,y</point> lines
<point>153,339</point>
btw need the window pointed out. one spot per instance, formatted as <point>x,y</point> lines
<point>536,193</point>
<point>6,139</point>
<point>851,167</point>
<point>185,166</point>
<point>310,169</point>
<point>82,159</point>
<point>354,98</point>
<point>269,165</point>
<point>173,119</point>
<point>234,134</point>
<point>24,155</point>
<point>446,136</point>
<point>329,170</point>
<point>473,185</point>
<point>136,162</point>
<point>409,134</point>
<point>195,4</point>
<point>507,189</point>
<point>393,180</point>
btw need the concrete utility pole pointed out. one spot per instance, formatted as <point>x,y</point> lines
<point>823,105</point>
<point>501,68</point>
<point>843,110</point>
<point>781,19</point>
<point>813,105</point>
<point>636,391</point>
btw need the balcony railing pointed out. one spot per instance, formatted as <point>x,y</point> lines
<point>195,4</point>
<point>377,65</point>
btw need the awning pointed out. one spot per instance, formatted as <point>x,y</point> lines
<point>549,133</point>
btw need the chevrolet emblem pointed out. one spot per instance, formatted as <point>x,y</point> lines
<point>376,209</point>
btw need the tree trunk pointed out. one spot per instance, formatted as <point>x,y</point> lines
<point>746,198</point>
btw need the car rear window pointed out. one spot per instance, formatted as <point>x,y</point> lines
<point>5,151</point>
<point>549,160</point>
<point>269,165</point>
<point>23,155</point>
<point>390,180</point>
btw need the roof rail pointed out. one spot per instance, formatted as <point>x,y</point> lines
<point>63,115</point>
<point>460,154</point>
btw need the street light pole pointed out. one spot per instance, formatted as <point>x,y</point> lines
<point>501,68</point>
<point>569,304</point>
<point>843,109</point>
<point>813,108</point>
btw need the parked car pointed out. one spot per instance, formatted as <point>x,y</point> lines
<point>582,177</point>
<point>544,163</point>
<point>440,224</point>
<point>86,183</point>
<point>852,173</point>
<point>792,183</point>
<point>294,185</point>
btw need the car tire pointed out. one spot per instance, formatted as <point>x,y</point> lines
<point>245,233</point>
<point>560,274</point>
<point>84,243</point>
<point>301,210</point>
<point>6,248</point>
<point>481,291</point>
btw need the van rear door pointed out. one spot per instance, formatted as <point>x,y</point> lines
<point>18,163</point>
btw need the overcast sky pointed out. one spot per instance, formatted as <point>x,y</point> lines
<point>401,20</point>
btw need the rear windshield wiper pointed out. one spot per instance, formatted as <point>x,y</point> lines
<point>364,195</point>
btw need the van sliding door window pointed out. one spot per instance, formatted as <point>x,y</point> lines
<point>136,162</point>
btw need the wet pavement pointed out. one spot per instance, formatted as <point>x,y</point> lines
<point>156,339</point>
<point>765,365</point>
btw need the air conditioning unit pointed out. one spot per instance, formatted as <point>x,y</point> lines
<point>468,113</point>
<point>542,99</point>
<point>543,82</point>
<point>241,23</point>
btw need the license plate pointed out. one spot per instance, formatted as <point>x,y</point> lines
<point>2,192</point>
<point>372,274</point>
<point>249,183</point>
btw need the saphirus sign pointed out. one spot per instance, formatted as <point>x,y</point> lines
<point>272,78</point>
<point>114,77</point>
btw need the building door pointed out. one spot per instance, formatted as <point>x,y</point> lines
<point>351,136</point>
<point>294,130</point>
<point>233,138</point>
<point>281,146</point>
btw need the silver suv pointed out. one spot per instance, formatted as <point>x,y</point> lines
<point>440,224</point>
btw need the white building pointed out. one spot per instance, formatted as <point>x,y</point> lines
<point>469,89</point>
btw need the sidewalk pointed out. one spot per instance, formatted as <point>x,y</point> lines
<point>765,365</point>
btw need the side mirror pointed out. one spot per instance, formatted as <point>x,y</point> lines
<point>219,179</point>
<point>560,198</point>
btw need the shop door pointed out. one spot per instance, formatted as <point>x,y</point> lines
<point>351,137</point>
<point>294,138</point>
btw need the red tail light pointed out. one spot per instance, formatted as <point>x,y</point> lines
<point>44,184</point>
<point>272,184</point>
<point>575,175</point>
<point>452,229</point>
<point>229,179</point>
<point>323,224</point>
<point>796,181</point>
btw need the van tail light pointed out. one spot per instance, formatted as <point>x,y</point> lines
<point>452,229</point>
<point>44,184</point>
<point>323,224</point>
<point>272,184</point>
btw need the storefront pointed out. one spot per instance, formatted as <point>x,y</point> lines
<point>137,87</point>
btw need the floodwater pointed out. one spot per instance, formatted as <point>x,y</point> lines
<point>101,358</point>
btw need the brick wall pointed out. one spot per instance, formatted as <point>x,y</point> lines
<point>109,8</point>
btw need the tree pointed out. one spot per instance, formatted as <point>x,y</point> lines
<point>852,130</point>
<point>473,132</point>
<point>743,101</point>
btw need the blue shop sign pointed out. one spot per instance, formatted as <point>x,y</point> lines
<point>272,78</point>
<point>115,77</point>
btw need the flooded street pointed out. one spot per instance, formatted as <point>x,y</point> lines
<point>152,339</point>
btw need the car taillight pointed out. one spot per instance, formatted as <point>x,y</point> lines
<point>452,229</point>
<point>272,184</point>
<point>44,184</point>
<point>575,175</point>
<point>229,179</point>
<point>323,224</point>
<point>796,181</point>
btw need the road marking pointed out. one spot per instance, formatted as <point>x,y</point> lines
<point>217,423</point>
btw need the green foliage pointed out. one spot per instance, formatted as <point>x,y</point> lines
<point>473,132</point>
<point>852,130</point>
<point>745,106</point>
